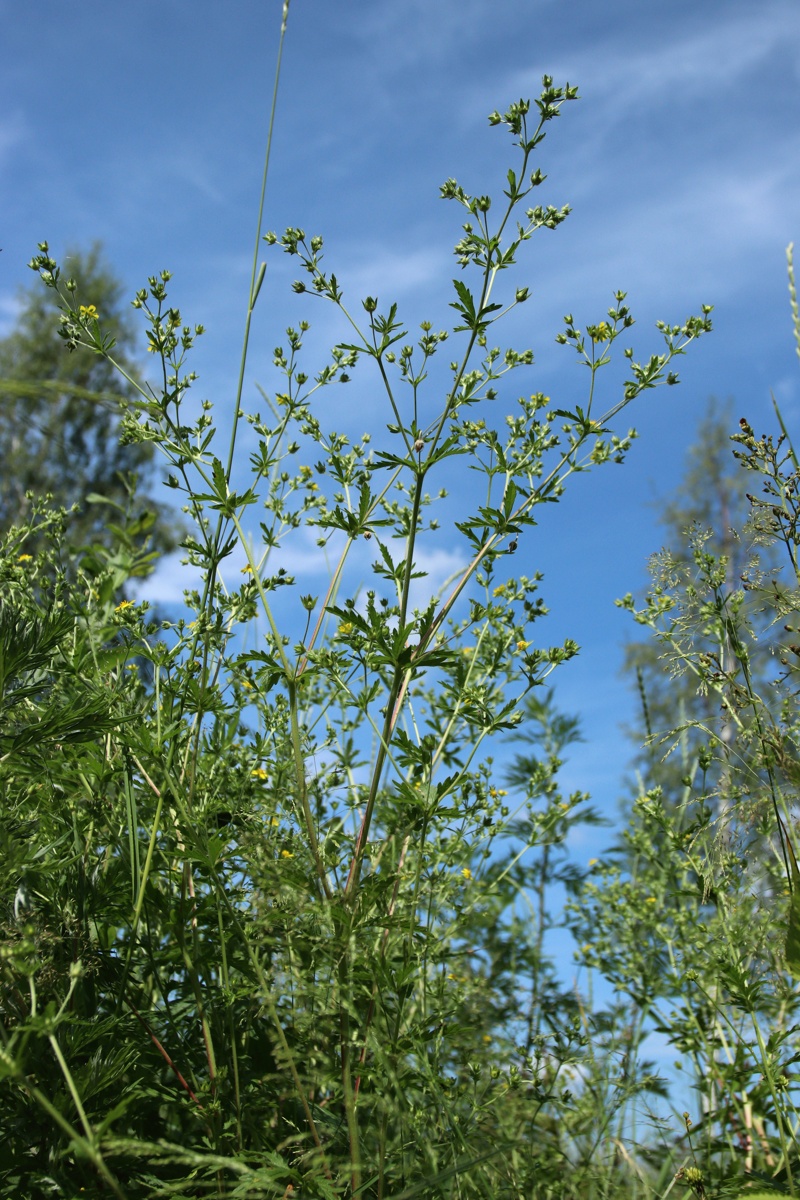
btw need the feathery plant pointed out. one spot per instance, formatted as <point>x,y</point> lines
<point>263,933</point>
<point>697,916</point>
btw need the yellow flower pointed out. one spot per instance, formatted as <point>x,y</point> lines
<point>259,773</point>
<point>522,645</point>
<point>487,1037</point>
<point>25,558</point>
<point>601,332</point>
<point>592,862</point>
<point>286,854</point>
<point>496,792</point>
<point>650,900</point>
<point>466,873</point>
<point>345,628</point>
<point>247,569</point>
<point>125,604</point>
<point>89,312</point>
<point>500,591</point>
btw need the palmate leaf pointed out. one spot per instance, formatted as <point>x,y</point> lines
<point>465,305</point>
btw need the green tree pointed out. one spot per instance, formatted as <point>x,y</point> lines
<point>708,517</point>
<point>60,419</point>
<point>695,915</point>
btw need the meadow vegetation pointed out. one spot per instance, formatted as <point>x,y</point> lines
<point>273,916</point>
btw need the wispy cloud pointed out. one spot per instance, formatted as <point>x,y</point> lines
<point>680,66</point>
<point>10,309</point>
<point>13,131</point>
<point>392,273</point>
<point>310,564</point>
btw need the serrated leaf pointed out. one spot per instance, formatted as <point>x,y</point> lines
<point>465,296</point>
<point>220,480</point>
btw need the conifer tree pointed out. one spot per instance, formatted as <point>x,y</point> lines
<point>60,417</point>
<point>708,517</point>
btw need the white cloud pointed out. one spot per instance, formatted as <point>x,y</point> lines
<point>387,273</point>
<point>786,393</point>
<point>311,565</point>
<point>301,557</point>
<point>169,581</point>
<point>13,132</point>
<point>10,309</point>
<point>442,568</point>
<point>693,63</point>
<point>704,230</point>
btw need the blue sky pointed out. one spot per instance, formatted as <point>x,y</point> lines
<point>143,125</point>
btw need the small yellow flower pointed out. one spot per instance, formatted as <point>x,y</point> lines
<point>345,628</point>
<point>286,854</point>
<point>487,1037</point>
<point>592,862</point>
<point>25,558</point>
<point>465,871</point>
<point>125,604</point>
<point>259,773</point>
<point>521,645</point>
<point>495,793</point>
<point>274,821</point>
<point>89,312</point>
<point>247,569</point>
<point>500,591</point>
<point>601,332</point>
<point>650,900</point>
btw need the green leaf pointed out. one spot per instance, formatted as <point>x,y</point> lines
<point>220,479</point>
<point>467,305</point>
<point>793,926</point>
<point>761,1195</point>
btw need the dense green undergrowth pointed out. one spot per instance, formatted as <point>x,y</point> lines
<point>274,919</point>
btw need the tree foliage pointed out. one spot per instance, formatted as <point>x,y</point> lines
<point>710,539</point>
<point>60,418</point>
<point>694,916</point>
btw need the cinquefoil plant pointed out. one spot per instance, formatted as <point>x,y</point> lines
<point>262,948</point>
